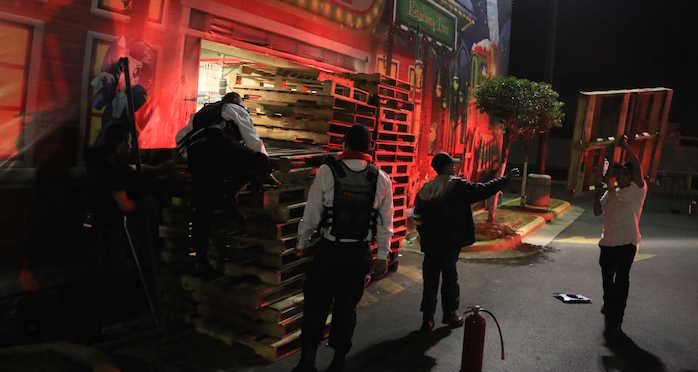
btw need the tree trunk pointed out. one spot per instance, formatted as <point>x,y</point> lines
<point>492,202</point>
<point>524,176</point>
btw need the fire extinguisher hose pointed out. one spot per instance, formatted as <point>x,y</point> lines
<point>501,339</point>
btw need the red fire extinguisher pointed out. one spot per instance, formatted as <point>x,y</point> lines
<point>474,339</point>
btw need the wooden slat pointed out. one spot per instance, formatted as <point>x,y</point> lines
<point>621,124</point>
<point>319,100</point>
<point>292,135</point>
<point>317,126</point>
<point>662,135</point>
<point>657,100</point>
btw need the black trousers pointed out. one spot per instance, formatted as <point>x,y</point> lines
<point>334,279</point>
<point>439,262</point>
<point>615,270</point>
<point>219,168</point>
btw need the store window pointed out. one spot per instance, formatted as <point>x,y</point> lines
<point>16,41</point>
<point>394,67</point>
<point>121,8</point>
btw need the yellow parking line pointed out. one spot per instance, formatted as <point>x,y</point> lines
<point>643,256</point>
<point>411,272</point>
<point>388,285</point>
<point>367,299</point>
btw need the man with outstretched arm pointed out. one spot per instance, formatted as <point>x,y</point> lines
<point>621,207</point>
<point>445,225</point>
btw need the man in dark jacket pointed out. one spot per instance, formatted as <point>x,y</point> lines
<point>445,225</point>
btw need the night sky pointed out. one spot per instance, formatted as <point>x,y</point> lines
<point>609,45</point>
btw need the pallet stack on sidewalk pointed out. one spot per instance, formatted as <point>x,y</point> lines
<point>395,149</point>
<point>350,107</point>
<point>258,301</point>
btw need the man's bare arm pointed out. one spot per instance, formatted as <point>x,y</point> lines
<point>638,177</point>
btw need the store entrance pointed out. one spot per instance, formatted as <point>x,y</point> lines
<point>288,103</point>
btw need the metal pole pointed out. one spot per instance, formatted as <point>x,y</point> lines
<point>130,112</point>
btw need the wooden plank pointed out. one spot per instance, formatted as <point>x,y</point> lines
<point>651,129</point>
<point>270,199</point>
<point>270,348</point>
<point>286,109</point>
<point>621,125</point>
<point>283,276</point>
<point>251,295</point>
<point>577,148</point>
<point>662,136</point>
<point>317,126</point>
<point>292,135</point>
<point>267,94</point>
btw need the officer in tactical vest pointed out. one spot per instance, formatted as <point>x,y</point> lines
<point>351,202</point>
<point>445,226</point>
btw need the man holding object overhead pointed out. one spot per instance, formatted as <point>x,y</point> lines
<point>621,208</point>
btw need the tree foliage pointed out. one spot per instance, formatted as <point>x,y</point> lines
<point>525,108</point>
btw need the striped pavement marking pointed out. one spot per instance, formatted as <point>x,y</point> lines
<point>388,285</point>
<point>579,240</point>
<point>411,272</point>
<point>367,299</point>
<point>643,256</point>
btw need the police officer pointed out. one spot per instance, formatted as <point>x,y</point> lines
<point>445,225</point>
<point>351,202</point>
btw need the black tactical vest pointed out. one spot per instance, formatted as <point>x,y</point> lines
<point>352,215</point>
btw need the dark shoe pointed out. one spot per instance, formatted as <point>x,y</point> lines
<point>427,326</point>
<point>453,320</point>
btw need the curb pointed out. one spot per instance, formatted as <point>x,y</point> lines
<point>508,243</point>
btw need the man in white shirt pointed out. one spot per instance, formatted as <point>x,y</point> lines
<point>621,208</point>
<point>351,203</point>
<point>222,143</point>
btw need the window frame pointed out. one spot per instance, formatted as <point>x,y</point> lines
<point>114,15</point>
<point>30,88</point>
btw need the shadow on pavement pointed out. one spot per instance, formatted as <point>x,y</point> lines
<point>628,357</point>
<point>399,355</point>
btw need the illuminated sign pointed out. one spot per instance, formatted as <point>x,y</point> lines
<point>427,17</point>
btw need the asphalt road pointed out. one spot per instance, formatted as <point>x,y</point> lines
<point>542,333</point>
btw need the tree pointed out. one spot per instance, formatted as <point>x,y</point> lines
<point>523,109</point>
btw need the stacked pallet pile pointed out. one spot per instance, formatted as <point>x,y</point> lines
<point>286,104</point>
<point>394,145</point>
<point>350,106</point>
<point>258,300</point>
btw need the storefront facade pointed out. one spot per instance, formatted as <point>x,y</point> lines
<point>441,48</point>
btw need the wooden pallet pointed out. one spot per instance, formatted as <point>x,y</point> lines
<point>270,199</point>
<point>281,122</point>
<point>293,111</point>
<point>288,274</point>
<point>291,135</point>
<point>249,294</point>
<point>280,213</point>
<point>270,348</point>
<point>286,96</point>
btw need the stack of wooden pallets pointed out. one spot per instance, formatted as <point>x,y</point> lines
<point>395,149</point>
<point>285,104</point>
<point>350,107</point>
<point>258,302</point>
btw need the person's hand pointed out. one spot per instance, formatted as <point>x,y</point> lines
<point>623,141</point>
<point>300,252</point>
<point>380,267</point>
<point>514,172</point>
<point>599,188</point>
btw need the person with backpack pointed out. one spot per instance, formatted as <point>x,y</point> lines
<point>351,203</point>
<point>222,145</point>
<point>445,225</point>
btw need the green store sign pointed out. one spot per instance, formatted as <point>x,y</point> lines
<point>427,17</point>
